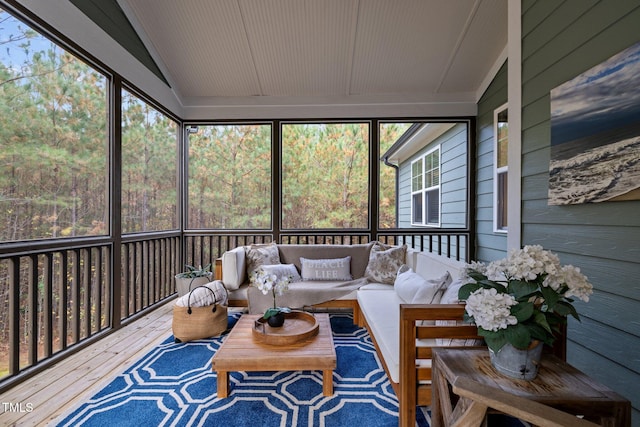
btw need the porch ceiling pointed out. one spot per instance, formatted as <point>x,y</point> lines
<point>258,52</point>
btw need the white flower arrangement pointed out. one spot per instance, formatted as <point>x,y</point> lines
<point>522,298</point>
<point>271,283</point>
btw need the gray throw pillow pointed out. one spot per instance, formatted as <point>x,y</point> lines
<point>326,269</point>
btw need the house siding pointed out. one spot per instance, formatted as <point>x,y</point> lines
<point>561,40</point>
<point>489,245</point>
<point>453,176</point>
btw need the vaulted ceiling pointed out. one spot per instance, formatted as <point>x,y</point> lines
<point>319,51</point>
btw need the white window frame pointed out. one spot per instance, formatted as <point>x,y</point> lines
<point>500,198</point>
<point>423,190</point>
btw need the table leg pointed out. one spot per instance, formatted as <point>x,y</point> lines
<point>327,383</point>
<point>223,384</point>
<point>440,405</point>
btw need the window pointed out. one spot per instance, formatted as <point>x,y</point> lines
<point>425,189</point>
<point>229,176</point>
<point>325,175</point>
<point>53,139</point>
<point>149,167</point>
<point>501,169</point>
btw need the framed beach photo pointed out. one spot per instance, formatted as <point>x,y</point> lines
<point>595,133</point>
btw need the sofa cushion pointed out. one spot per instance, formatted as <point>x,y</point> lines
<point>303,294</point>
<point>359,253</point>
<point>384,262</point>
<point>258,255</point>
<point>433,265</point>
<point>234,268</point>
<point>381,310</point>
<point>373,286</point>
<point>326,269</point>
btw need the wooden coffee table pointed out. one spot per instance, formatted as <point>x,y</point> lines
<point>241,352</point>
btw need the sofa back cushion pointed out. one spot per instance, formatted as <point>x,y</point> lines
<point>359,253</point>
<point>430,265</point>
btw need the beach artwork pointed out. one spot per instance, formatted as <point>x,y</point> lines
<point>595,134</point>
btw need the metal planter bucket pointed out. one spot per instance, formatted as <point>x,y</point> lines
<point>516,363</point>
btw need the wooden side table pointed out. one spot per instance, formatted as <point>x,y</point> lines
<point>558,385</point>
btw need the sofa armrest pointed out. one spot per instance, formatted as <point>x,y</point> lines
<point>217,269</point>
<point>234,272</point>
<point>419,321</point>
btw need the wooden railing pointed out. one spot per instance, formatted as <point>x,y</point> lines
<point>59,295</point>
<point>203,248</point>
<point>56,298</point>
<point>62,295</point>
<point>149,265</point>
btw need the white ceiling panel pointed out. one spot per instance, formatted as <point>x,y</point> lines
<point>485,37</point>
<point>248,51</point>
<point>404,49</point>
<point>300,47</point>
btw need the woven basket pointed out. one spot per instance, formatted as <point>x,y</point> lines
<point>194,323</point>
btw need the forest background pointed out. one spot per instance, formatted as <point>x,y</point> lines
<point>56,166</point>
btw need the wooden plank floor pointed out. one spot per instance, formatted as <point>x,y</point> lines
<point>63,386</point>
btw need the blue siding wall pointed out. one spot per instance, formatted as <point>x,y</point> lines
<point>453,173</point>
<point>489,245</point>
<point>560,40</point>
<point>453,186</point>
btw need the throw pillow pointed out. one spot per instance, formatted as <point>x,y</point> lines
<point>408,283</point>
<point>282,271</point>
<point>326,269</point>
<point>432,293</point>
<point>259,255</point>
<point>415,289</point>
<point>450,295</point>
<point>384,262</point>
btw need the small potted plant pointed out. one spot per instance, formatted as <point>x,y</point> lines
<point>268,282</point>
<point>192,277</point>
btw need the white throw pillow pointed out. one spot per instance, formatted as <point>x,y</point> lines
<point>408,283</point>
<point>283,271</point>
<point>433,293</point>
<point>450,296</point>
<point>326,269</point>
<point>201,297</point>
<point>415,289</point>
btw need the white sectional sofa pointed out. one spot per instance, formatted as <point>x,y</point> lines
<point>405,332</point>
<point>404,317</point>
<point>234,264</point>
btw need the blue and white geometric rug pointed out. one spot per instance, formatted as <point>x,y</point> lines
<point>173,385</point>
